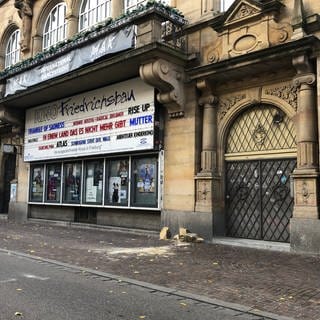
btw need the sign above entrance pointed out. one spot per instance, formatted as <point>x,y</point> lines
<point>8,148</point>
<point>117,118</point>
<point>114,42</point>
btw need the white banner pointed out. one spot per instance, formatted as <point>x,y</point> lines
<point>117,118</point>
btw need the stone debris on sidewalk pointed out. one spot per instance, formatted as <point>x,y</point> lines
<point>184,235</point>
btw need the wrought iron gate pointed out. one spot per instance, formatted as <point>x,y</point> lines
<point>260,156</point>
<point>258,199</point>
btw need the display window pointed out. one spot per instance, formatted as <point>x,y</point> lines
<point>130,182</point>
<point>53,182</point>
<point>118,182</point>
<point>72,182</point>
<point>93,182</point>
<point>144,182</point>
<point>36,186</point>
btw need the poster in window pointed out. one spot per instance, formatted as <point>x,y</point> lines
<point>145,181</point>
<point>115,190</point>
<point>37,184</point>
<point>53,182</point>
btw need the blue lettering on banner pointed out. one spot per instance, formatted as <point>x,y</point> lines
<point>141,120</point>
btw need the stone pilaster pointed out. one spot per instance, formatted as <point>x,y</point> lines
<point>306,174</point>
<point>72,25</point>
<point>117,8</point>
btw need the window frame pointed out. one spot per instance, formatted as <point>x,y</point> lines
<point>225,5</point>
<point>126,190</point>
<point>12,52</point>
<point>54,33</point>
<point>92,11</point>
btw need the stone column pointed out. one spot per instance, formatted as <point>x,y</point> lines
<point>204,178</point>
<point>306,173</point>
<point>305,223</point>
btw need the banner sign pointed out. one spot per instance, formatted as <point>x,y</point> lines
<point>114,42</point>
<point>117,118</point>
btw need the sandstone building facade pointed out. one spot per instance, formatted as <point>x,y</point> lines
<point>141,114</point>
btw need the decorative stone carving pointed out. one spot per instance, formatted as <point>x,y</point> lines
<point>168,78</point>
<point>204,192</point>
<point>243,11</point>
<point>288,93</point>
<point>305,192</point>
<point>227,103</point>
<point>309,79</point>
<point>278,33</point>
<point>214,53</point>
<point>25,11</point>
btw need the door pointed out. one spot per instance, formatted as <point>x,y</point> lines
<point>259,159</point>
<point>9,174</point>
<point>258,199</point>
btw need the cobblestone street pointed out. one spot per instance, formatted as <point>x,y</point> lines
<point>282,283</point>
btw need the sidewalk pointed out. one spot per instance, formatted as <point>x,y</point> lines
<point>278,282</point>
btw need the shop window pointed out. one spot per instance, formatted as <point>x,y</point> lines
<point>12,55</point>
<point>225,5</point>
<point>53,182</point>
<point>93,12</point>
<point>117,188</point>
<point>93,182</point>
<point>144,182</point>
<point>36,186</point>
<point>55,28</point>
<point>72,182</point>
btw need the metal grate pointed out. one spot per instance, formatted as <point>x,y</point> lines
<point>262,128</point>
<point>259,204</point>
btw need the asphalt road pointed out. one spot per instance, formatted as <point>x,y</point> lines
<point>40,290</point>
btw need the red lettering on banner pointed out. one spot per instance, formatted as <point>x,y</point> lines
<point>106,126</point>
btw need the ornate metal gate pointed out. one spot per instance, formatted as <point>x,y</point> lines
<point>260,157</point>
<point>259,204</point>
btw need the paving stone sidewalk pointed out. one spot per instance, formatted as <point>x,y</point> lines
<point>282,283</point>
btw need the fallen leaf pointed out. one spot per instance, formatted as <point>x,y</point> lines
<point>18,289</point>
<point>215,263</point>
<point>183,304</point>
<point>18,314</point>
<point>142,317</point>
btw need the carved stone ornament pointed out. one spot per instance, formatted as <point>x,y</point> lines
<point>308,79</point>
<point>242,12</point>
<point>168,78</point>
<point>288,93</point>
<point>227,103</point>
<point>203,192</point>
<point>305,192</point>
<point>25,11</point>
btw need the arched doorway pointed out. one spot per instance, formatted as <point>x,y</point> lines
<point>259,159</point>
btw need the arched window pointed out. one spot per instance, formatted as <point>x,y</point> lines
<point>93,11</point>
<point>132,4</point>
<point>13,49</point>
<point>55,28</point>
